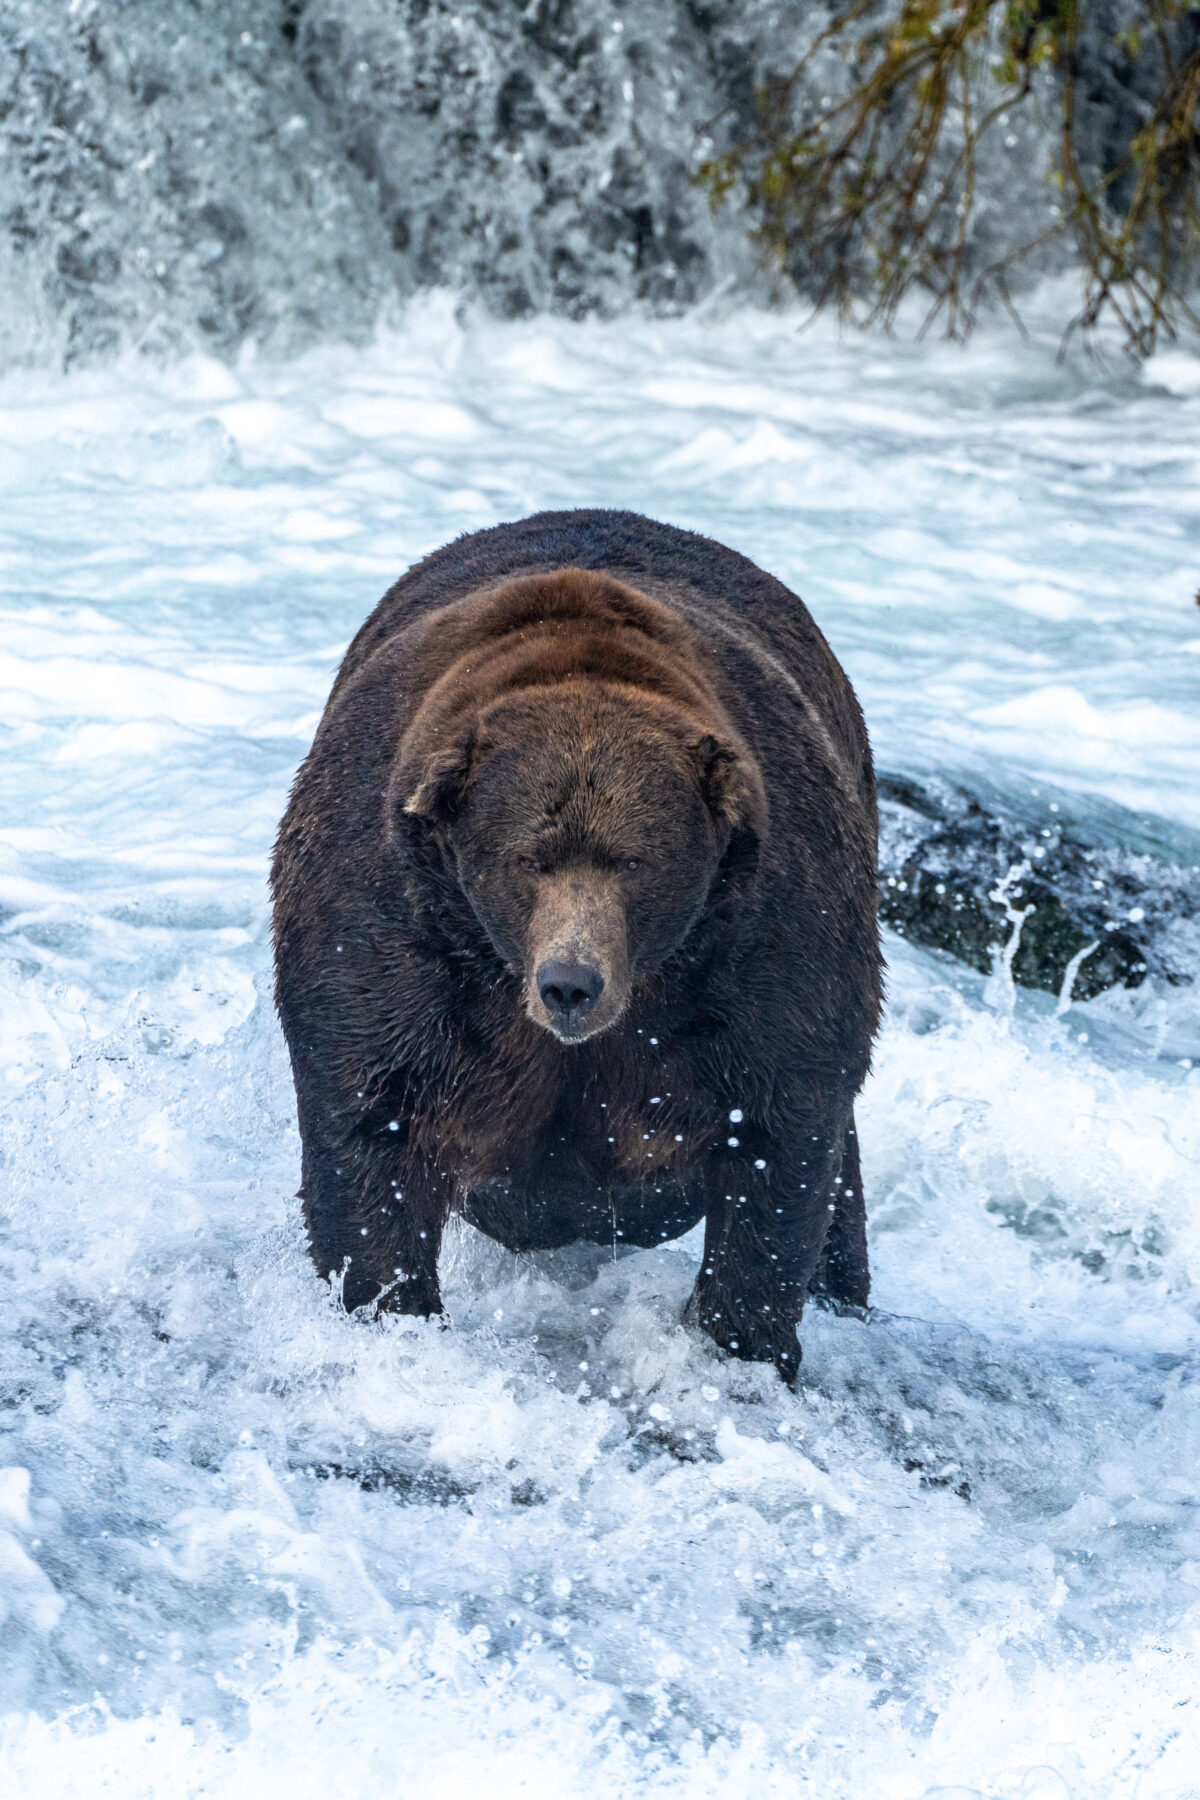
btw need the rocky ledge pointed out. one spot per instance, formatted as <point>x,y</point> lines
<point>956,874</point>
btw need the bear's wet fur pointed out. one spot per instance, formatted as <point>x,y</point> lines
<point>575,924</point>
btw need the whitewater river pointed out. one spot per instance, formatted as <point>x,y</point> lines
<point>251,1546</point>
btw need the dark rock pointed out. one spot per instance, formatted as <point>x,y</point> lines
<point>943,855</point>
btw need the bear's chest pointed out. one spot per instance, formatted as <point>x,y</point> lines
<point>605,1121</point>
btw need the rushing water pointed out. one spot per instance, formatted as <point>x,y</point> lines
<point>249,1545</point>
<point>278,171</point>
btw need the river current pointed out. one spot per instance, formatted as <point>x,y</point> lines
<point>248,1544</point>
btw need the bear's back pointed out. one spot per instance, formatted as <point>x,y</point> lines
<point>734,606</point>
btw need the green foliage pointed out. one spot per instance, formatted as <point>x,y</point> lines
<point>871,193</point>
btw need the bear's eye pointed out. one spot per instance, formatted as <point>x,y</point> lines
<point>529,864</point>
<point>633,864</point>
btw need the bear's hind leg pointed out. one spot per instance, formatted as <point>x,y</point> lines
<point>842,1278</point>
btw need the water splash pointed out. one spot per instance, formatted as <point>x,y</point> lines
<point>275,172</point>
<point>1063,1003</point>
<point>274,1539</point>
<point>1001,989</point>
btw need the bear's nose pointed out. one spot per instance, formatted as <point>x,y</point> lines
<point>569,990</point>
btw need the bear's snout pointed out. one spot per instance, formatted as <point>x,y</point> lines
<point>577,955</point>
<point>569,991</point>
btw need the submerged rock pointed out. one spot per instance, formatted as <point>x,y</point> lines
<point>955,873</point>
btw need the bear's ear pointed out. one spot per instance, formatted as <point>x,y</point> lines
<point>730,783</point>
<point>441,783</point>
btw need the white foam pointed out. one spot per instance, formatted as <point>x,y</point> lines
<point>248,1544</point>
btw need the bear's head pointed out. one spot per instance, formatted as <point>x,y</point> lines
<point>588,823</point>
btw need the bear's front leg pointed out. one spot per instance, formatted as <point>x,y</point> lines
<point>375,1211</point>
<point>773,1199</point>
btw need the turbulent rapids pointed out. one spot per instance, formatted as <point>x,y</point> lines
<point>249,1542</point>
<point>280,172</point>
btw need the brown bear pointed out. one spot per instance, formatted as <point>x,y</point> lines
<point>575,924</point>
